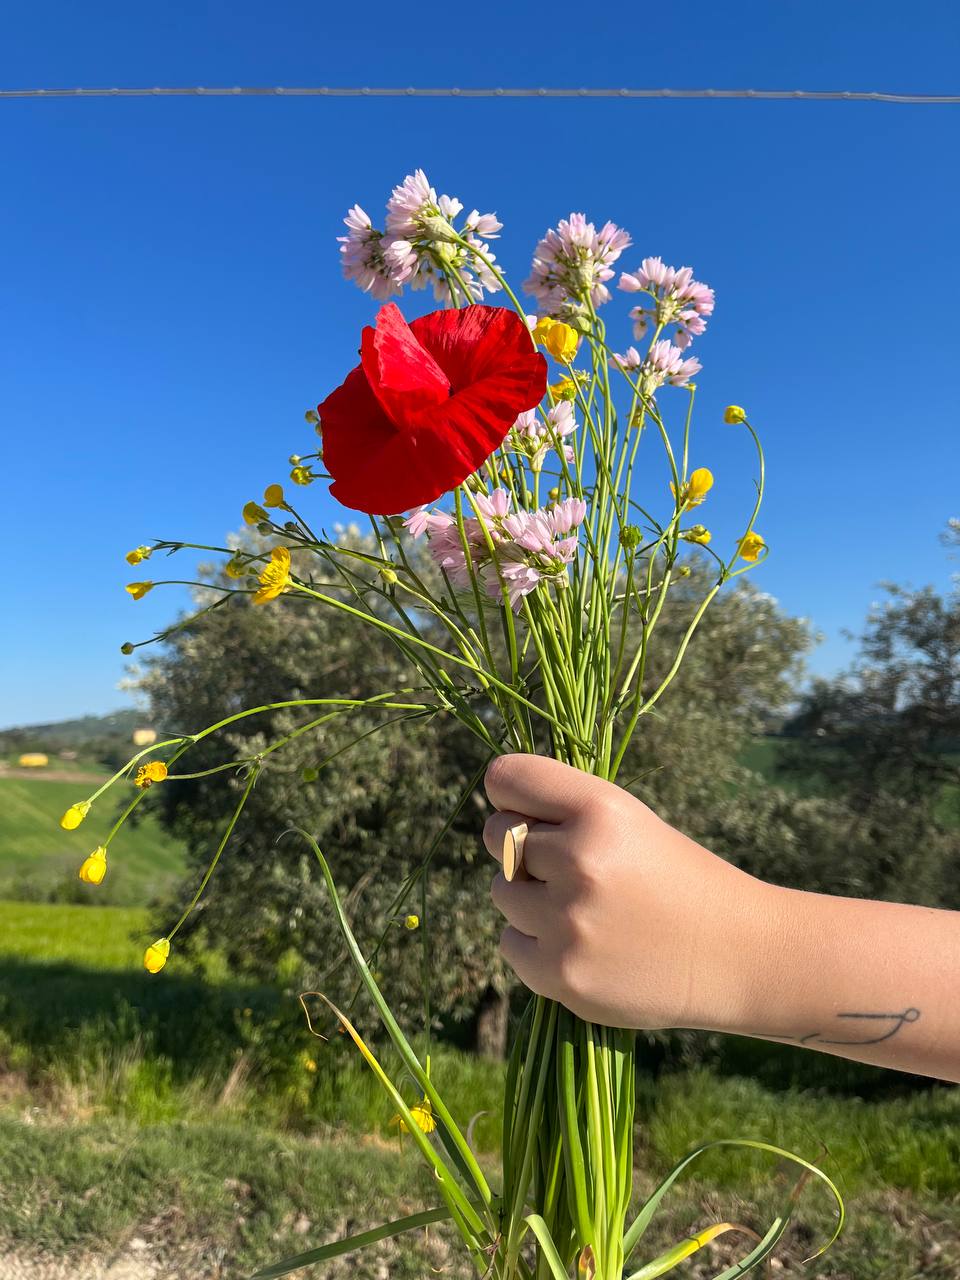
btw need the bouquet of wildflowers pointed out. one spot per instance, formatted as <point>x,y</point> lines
<point>507,446</point>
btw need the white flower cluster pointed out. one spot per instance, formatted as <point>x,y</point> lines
<point>421,246</point>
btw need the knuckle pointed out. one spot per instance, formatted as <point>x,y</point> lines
<point>497,770</point>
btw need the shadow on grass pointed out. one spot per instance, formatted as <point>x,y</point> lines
<point>61,1013</point>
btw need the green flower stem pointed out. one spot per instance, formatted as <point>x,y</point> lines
<point>251,781</point>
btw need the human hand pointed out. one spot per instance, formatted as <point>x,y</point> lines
<point>623,920</point>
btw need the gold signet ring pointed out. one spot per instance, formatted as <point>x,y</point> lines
<point>513,842</point>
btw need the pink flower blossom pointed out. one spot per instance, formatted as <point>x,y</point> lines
<point>362,256</point>
<point>423,520</point>
<point>631,359</point>
<point>665,363</point>
<point>422,245</point>
<point>679,299</point>
<point>533,435</point>
<point>573,262</point>
<point>523,548</point>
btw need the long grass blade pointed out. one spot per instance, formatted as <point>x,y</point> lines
<point>643,1219</point>
<point>350,1243</point>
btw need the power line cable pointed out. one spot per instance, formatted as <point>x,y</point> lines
<point>332,91</point>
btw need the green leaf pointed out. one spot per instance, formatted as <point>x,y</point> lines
<point>632,1237</point>
<point>349,1243</point>
<point>452,1137</point>
<point>680,1252</point>
<point>547,1247</point>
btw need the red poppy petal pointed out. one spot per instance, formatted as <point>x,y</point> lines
<point>468,343</point>
<point>401,374</point>
<point>383,475</point>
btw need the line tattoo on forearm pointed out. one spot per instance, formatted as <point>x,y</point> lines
<point>817,1037</point>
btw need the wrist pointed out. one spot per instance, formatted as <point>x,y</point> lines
<point>751,947</point>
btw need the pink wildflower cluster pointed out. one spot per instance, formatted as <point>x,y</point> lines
<point>573,261</point>
<point>534,434</point>
<point>528,547</point>
<point>663,363</point>
<point>679,299</point>
<point>420,246</point>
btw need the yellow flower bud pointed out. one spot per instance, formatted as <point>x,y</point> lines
<point>150,773</point>
<point>155,956</point>
<point>734,414</point>
<point>235,568</point>
<point>138,554</point>
<point>94,867</point>
<point>694,490</point>
<point>139,589</point>
<point>558,338</point>
<point>422,1114</point>
<point>75,815</point>
<point>696,533</point>
<point>253,513</point>
<point>311,417</point>
<point>302,475</point>
<point>273,496</point>
<point>750,546</point>
<point>389,576</point>
<point>412,922</point>
<point>126,648</point>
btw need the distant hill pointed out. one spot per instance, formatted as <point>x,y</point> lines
<point>103,739</point>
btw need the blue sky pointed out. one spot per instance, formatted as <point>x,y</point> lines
<point>172,299</point>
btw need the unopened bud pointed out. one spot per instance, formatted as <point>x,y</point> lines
<point>126,648</point>
<point>312,417</point>
<point>412,922</point>
<point>294,459</point>
<point>554,495</point>
<point>683,571</point>
<point>438,228</point>
<point>310,774</point>
<point>388,575</point>
<point>630,536</point>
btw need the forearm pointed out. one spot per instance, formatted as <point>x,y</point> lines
<point>875,981</point>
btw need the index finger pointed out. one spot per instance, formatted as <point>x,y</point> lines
<point>543,789</point>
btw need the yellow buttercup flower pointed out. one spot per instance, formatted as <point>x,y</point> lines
<point>696,533</point>
<point>694,490</point>
<point>273,496</point>
<point>94,867</point>
<point>138,554</point>
<point>750,546</point>
<point>253,513</point>
<point>150,773</point>
<point>275,577</point>
<point>422,1113</point>
<point>302,475</point>
<point>566,388</point>
<point>412,922</point>
<point>155,956</point>
<point>734,414</point>
<point>557,338</point>
<point>139,589</point>
<point>75,815</point>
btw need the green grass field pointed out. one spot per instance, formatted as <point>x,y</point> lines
<point>184,1112</point>
<point>196,1117</point>
<point>39,860</point>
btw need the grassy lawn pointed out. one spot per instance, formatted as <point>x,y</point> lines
<point>39,860</point>
<point>193,1124</point>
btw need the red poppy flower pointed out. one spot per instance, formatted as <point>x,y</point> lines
<point>427,405</point>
